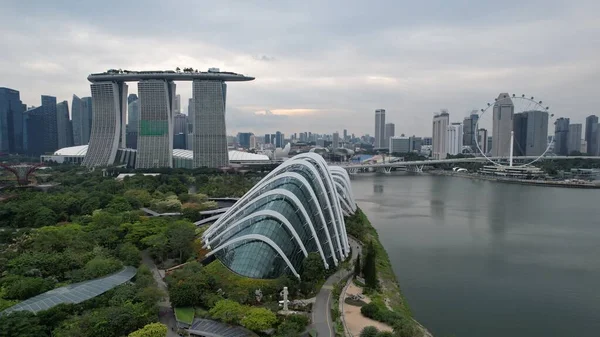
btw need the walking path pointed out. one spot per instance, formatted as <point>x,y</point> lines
<point>321,311</point>
<point>166,314</point>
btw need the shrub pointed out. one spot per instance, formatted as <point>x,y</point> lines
<point>369,331</point>
<point>259,319</point>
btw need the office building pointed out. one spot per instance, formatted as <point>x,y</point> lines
<point>591,132</point>
<point>279,139</point>
<point>470,130</point>
<point>131,98</point>
<point>177,108</point>
<point>180,141</point>
<point>380,130</point>
<point>520,134</point>
<point>35,134</point>
<point>482,137</point>
<point>399,144</point>
<point>180,124</point>
<point>133,121</point>
<point>415,143</point>
<point>561,136</point>
<point>50,130</point>
<point>81,119</point>
<point>489,143</point>
<point>428,141</point>
<point>243,139</point>
<point>575,133</point>
<point>346,135</point>
<point>64,126</point>
<point>155,131</point>
<point>439,139</point>
<point>253,144</point>
<point>267,138</point>
<point>390,131</point>
<point>108,120</point>
<point>454,143</point>
<point>536,141</point>
<point>336,141</point>
<point>503,112</point>
<point>11,121</point>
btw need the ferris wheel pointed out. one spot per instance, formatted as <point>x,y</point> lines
<point>518,126</point>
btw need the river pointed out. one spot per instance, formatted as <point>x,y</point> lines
<point>486,259</point>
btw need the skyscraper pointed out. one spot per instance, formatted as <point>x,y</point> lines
<point>591,130</point>
<point>504,110</point>
<point>380,130</point>
<point>520,134</point>
<point>155,133</point>
<point>336,141</point>
<point>537,133</point>
<point>455,138</point>
<point>574,143</point>
<point>51,124</point>
<point>267,138</point>
<point>482,141</point>
<point>180,124</point>
<point>208,120</point>
<point>390,131</point>
<point>244,139</point>
<point>346,135</point>
<point>81,119</point>
<point>252,141</point>
<point>109,101</point>
<point>64,127</point>
<point>278,139</point>
<point>561,136</point>
<point>131,98</point>
<point>177,109</point>
<point>35,135</point>
<point>439,135</point>
<point>470,129</point>
<point>133,121</point>
<point>11,121</point>
<point>415,143</point>
<point>190,109</point>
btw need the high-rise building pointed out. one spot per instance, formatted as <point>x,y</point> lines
<point>346,135</point>
<point>537,133</point>
<point>591,131</point>
<point>177,108</point>
<point>520,134</point>
<point>11,121</point>
<point>267,138</point>
<point>504,110</point>
<point>155,133</point>
<point>81,119</point>
<point>440,125</point>
<point>561,136</point>
<point>133,121</point>
<point>380,130</point>
<point>455,138</point>
<point>399,144</point>
<point>51,124</point>
<point>574,142</point>
<point>210,137</point>
<point>64,127</point>
<point>131,98</point>
<point>482,137</point>
<point>390,131</point>
<point>243,139</point>
<point>35,131</point>
<point>415,143</point>
<point>109,101</point>
<point>428,141</point>
<point>253,142</point>
<point>336,141</point>
<point>180,124</point>
<point>279,139</point>
<point>490,140</point>
<point>470,129</point>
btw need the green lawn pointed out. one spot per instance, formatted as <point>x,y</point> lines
<point>185,314</point>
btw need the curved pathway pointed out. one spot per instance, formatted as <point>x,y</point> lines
<point>321,310</point>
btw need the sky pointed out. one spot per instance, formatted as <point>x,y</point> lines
<point>320,66</point>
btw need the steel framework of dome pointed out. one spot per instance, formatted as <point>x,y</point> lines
<point>298,208</point>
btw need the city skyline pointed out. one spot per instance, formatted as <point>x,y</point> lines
<point>304,76</point>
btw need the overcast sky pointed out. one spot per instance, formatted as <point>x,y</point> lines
<point>320,66</point>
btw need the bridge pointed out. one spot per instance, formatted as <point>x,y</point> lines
<point>417,165</point>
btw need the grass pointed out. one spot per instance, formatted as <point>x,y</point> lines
<point>185,314</point>
<point>232,283</point>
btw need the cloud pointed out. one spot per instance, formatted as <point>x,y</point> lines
<point>319,66</point>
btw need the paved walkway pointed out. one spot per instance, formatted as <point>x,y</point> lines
<point>166,313</point>
<point>321,310</point>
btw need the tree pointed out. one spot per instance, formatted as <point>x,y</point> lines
<point>22,324</point>
<point>181,235</point>
<point>227,311</point>
<point>370,267</point>
<point>150,330</point>
<point>385,334</point>
<point>369,331</point>
<point>100,266</point>
<point>357,266</point>
<point>312,268</point>
<point>129,254</point>
<point>259,319</point>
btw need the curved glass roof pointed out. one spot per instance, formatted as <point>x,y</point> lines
<point>296,209</point>
<point>234,155</point>
<point>74,293</point>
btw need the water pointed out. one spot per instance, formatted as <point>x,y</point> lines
<point>483,259</point>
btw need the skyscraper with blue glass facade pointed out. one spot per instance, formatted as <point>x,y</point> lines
<point>11,121</point>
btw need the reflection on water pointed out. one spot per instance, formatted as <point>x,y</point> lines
<point>477,258</point>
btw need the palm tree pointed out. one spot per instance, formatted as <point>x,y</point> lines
<point>177,69</point>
